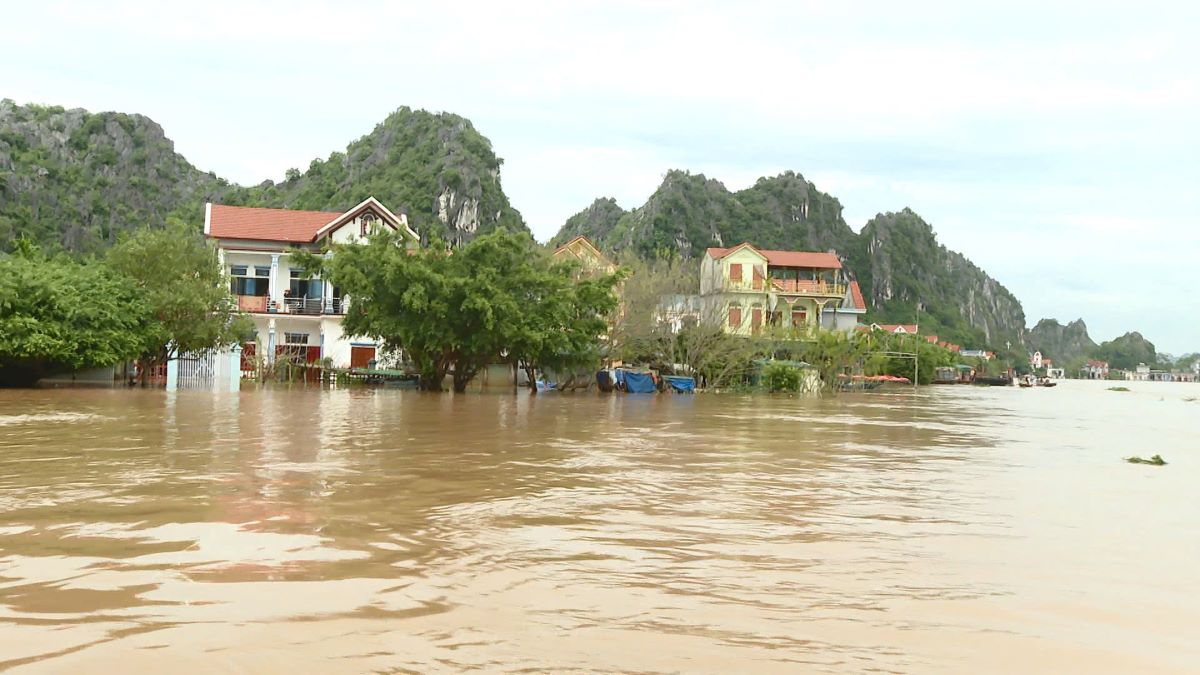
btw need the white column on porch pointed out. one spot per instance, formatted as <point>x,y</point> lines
<point>276,281</point>
<point>270,355</point>
<point>327,288</point>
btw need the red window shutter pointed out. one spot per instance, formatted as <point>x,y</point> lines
<point>758,278</point>
<point>735,317</point>
<point>313,355</point>
<point>735,272</point>
<point>755,319</point>
<point>799,317</point>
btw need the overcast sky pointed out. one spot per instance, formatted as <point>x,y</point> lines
<point>1055,144</point>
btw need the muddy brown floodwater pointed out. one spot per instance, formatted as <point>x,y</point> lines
<point>952,529</point>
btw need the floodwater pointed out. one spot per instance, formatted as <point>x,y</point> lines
<point>952,529</point>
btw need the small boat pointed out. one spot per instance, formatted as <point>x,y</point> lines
<point>945,375</point>
<point>1026,381</point>
<point>986,381</point>
<point>1047,382</point>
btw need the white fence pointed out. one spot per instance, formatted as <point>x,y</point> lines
<point>208,370</point>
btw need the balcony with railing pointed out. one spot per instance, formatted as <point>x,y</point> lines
<point>787,287</point>
<point>304,306</point>
<point>807,287</point>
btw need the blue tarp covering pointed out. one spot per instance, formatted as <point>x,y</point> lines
<point>639,383</point>
<point>681,384</point>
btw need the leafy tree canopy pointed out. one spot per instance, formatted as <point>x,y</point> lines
<point>499,297</point>
<point>180,279</point>
<point>60,315</point>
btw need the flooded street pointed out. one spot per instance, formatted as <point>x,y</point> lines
<point>953,529</point>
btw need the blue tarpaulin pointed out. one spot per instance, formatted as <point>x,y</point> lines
<point>681,384</point>
<point>619,376</point>
<point>639,383</point>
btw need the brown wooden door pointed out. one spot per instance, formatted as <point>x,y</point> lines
<point>755,319</point>
<point>313,355</point>
<point>360,357</point>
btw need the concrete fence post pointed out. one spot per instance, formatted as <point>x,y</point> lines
<point>173,373</point>
<point>235,369</point>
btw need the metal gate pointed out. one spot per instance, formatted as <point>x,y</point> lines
<point>197,370</point>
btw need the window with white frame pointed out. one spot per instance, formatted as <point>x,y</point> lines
<point>250,280</point>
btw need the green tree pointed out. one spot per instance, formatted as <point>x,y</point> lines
<point>181,280</point>
<point>58,315</point>
<point>499,297</point>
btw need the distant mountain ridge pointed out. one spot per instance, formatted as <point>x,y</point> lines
<point>74,180</point>
<point>1063,344</point>
<point>906,275</point>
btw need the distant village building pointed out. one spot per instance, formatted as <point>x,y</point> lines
<point>1139,374</point>
<point>591,260</point>
<point>752,290</point>
<point>977,354</point>
<point>295,315</point>
<point>1095,369</point>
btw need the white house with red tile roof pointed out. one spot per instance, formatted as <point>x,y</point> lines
<point>293,314</point>
<point>750,290</point>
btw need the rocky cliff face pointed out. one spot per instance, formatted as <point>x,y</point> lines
<point>596,222</point>
<point>904,272</point>
<point>74,180</point>
<point>435,167</point>
<point>689,213</point>
<point>909,277</point>
<point>1062,343</point>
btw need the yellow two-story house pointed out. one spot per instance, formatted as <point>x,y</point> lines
<point>751,290</point>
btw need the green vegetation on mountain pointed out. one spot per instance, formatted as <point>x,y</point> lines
<point>1127,351</point>
<point>437,168</point>
<point>905,274</point>
<point>1069,346</point>
<point>689,213</point>
<point>73,180</point>
<point>596,222</point>
<point>910,277</point>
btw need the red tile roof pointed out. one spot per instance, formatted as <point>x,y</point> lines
<point>932,339</point>
<point>857,296</point>
<point>827,261</point>
<point>892,327</point>
<point>246,222</point>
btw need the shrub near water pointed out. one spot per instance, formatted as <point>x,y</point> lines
<point>782,377</point>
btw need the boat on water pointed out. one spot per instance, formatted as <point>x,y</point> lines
<point>1046,382</point>
<point>1026,381</point>
<point>986,381</point>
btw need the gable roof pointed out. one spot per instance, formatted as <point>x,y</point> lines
<point>289,225</point>
<point>896,327</point>
<point>856,296</point>
<point>250,222</point>
<point>368,204</point>
<point>566,248</point>
<point>827,261</point>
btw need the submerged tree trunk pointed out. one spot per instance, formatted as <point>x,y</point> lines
<point>531,376</point>
<point>461,379</point>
